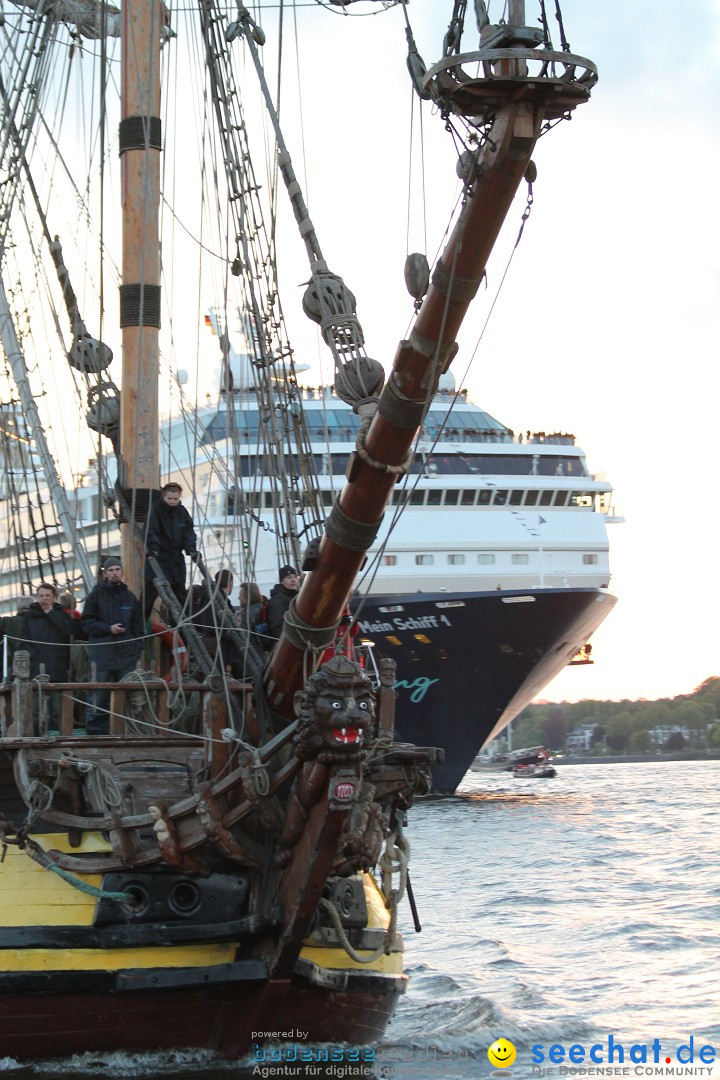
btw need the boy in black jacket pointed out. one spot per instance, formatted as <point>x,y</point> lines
<point>170,532</point>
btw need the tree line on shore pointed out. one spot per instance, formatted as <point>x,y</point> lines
<point>626,726</point>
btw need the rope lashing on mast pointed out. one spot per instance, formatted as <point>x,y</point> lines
<point>349,534</point>
<point>306,637</point>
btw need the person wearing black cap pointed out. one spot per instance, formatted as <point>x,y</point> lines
<point>280,598</point>
<point>113,620</point>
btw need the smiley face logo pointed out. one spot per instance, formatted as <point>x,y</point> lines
<point>501,1053</point>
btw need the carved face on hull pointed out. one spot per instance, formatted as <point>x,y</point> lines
<point>344,716</point>
<point>336,712</point>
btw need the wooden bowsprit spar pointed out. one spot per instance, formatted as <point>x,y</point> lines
<point>521,102</point>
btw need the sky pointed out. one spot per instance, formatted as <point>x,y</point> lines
<point>608,322</point>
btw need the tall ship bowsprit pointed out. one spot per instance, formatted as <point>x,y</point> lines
<point>221,850</point>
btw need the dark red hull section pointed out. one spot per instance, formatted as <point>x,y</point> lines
<point>36,1026</point>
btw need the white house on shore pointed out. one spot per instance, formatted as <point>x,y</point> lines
<point>581,738</point>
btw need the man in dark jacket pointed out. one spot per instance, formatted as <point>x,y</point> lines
<point>46,631</point>
<point>10,627</point>
<point>113,621</point>
<point>280,598</point>
<point>170,532</point>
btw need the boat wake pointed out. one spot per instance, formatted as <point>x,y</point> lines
<point>177,1063</point>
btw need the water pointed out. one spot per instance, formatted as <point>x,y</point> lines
<point>564,911</point>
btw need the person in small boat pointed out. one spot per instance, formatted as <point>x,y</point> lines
<point>47,631</point>
<point>280,599</point>
<point>170,536</point>
<point>113,620</point>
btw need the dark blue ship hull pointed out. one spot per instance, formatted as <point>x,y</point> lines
<point>468,663</point>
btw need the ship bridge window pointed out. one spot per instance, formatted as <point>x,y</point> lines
<point>561,498</point>
<point>424,560</point>
<point>485,497</point>
<point>485,558</point>
<point>516,498</point>
<point>456,559</point>
<point>417,498</point>
<point>457,423</point>
<point>545,498</point>
<point>581,498</point>
<point>554,465</point>
<point>501,464</point>
<point>452,497</point>
<point>590,560</point>
<point>434,497</point>
<point>468,498</point>
<point>500,498</point>
<point>520,559</point>
<point>333,423</point>
<point>531,498</point>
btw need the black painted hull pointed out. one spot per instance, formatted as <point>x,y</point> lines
<point>468,663</point>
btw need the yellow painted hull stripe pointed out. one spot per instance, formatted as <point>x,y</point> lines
<point>28,960</point>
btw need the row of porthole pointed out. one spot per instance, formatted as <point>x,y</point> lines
<point>483,559</point>
<point>450,497</point>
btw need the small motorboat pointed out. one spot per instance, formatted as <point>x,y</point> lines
<point>538,771</point>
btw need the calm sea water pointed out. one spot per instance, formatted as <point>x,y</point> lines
<point>566,911</point>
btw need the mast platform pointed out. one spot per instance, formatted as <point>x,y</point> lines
<point>486,80</point>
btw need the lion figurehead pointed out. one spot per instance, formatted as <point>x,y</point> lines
<point>336,713</point>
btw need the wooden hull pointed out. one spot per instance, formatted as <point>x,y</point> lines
<point>41,1025</point>
<point>76,975</point>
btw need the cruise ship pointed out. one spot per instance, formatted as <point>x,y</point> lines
<point>489,582</point>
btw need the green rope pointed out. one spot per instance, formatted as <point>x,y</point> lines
<point>76,883</point>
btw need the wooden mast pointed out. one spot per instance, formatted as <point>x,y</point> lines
<point>414,378</point>
<point>140,145</point>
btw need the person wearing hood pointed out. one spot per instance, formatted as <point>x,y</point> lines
<point>46,631</point>
<point>280,599</point>
<point>170,536</point>
<point>113,621</point>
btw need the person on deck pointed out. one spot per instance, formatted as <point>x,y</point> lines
<point>252,616</point>
<point>213,625</point>
<point>250,601</point>
<point>46,631</point>
<point>10,633</point>
<point>170,535</point>
<point>113,621</point>
<point>79,665</point>
<point>280,599</point>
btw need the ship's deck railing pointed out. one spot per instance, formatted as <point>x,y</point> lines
<point>23,715</point>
